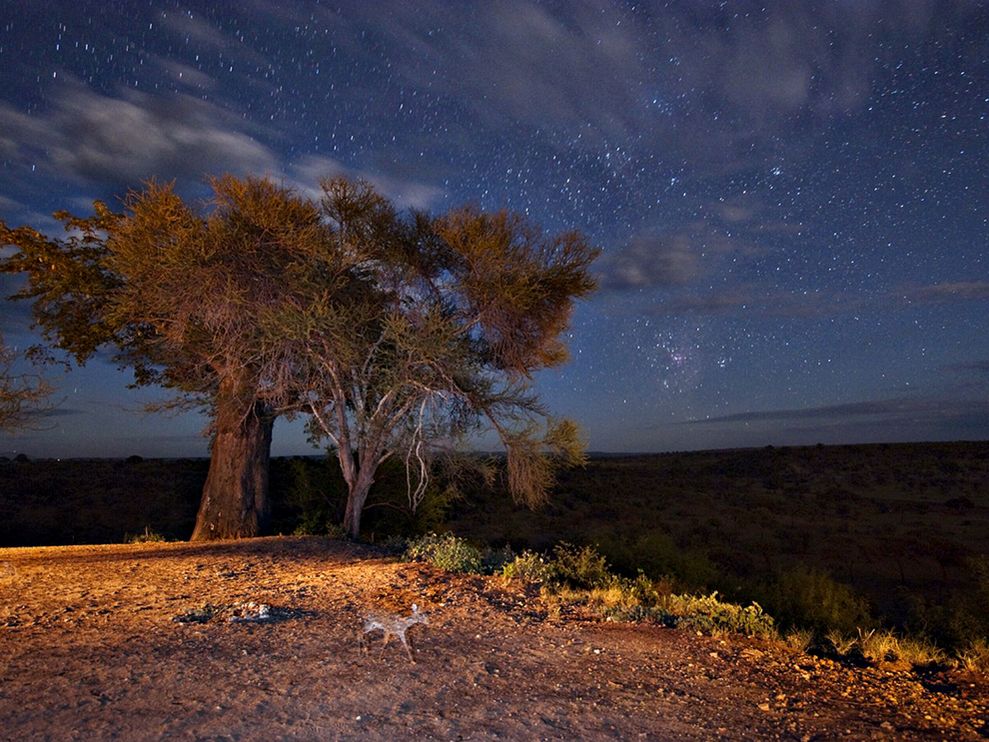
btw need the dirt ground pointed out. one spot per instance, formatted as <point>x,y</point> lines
<point>91,648</point>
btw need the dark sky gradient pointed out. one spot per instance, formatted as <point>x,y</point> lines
<point>792,198</point>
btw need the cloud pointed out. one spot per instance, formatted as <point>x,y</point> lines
<point>184,74</point>
<point>739,301</point>
<point>195,28</point>
<point>652,261</point>
<point>639,269</point>
<point>715,85</point>
<point>579,67</point>
<point>771,303</point>
<point>758,301</point>
<point>121,141</point>
<point>899,407</point>
<point>949,291</point>
<point>306,173</point>
<point>118,142</point>
<point>851,409</point>
<point>726,302</point>
<point>603,68</point>
<point>677,258</point>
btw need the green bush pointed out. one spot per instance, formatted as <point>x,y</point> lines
<point>446,551</point>
<point>148,537</point>
<point>810,598</point>
<point>628,599</point>
<point>528,567</point>
<point>578,567</point>
<point>708,614</point>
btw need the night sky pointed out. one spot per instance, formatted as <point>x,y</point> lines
<point>792,198</point>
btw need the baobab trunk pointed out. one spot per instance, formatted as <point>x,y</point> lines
<point>235,498</point>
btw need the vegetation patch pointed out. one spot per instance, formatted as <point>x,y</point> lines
<point>445,551</point>
<point>147,537</point>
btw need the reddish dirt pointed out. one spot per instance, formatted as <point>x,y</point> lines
<point>89,649</point>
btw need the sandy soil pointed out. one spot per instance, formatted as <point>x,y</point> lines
<point>90,648</point>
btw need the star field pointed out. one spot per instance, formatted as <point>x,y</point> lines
<point>790,197</point>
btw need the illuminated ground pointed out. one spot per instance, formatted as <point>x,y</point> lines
<point>89,649</point>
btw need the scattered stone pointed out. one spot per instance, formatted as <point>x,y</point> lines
<point>251,612</point>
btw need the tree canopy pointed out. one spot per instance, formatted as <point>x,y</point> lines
<point>396,331</point>
<point>457,314</point>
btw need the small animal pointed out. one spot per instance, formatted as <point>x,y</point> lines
<point>392,626</point>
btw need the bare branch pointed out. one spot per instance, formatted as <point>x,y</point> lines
<point>24,398</point>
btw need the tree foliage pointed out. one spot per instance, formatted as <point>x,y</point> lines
<point>399,333</point>
<point>457,315</point>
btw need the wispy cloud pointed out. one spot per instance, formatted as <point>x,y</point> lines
<point>115,143</point>
<point>577,67</point>
<point>757,301</point>
<point>948,291</point>
<point>893,407</point>
<point>722,235</point>
<point>651,261</point>
<point>307,172</point>
<point>599,69</point>
<point>120,141</point>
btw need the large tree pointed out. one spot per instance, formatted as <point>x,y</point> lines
<point>457,314</point>
<point>178,292</point>
<point>394,331</point>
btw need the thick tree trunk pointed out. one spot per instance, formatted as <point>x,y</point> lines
<point>356,497</point>
<point>235,498</point>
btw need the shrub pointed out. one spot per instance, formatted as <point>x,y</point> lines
<point>975,656</point>
<point>148,537</point>
<point>841,642</point>
<point>395,545</point>
<point>811,599</point>
<point>310,524</point>
<point>445,551</point>
<point>708,614</point>
<point>960,618</point>
<point>625,599</point>
<point>528,567</point>
<point>799,639</point>
<point>879,647</point>
<point>580,575</point>
<point>578,567</point>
